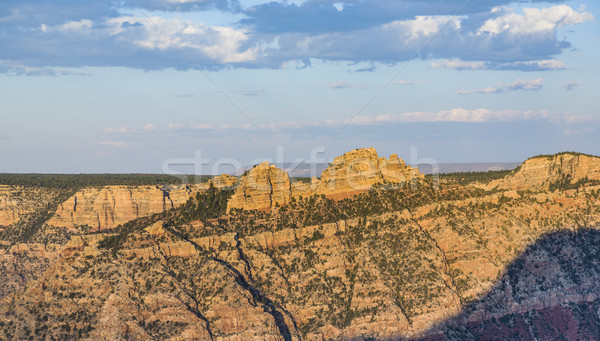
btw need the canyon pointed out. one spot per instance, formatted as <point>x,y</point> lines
<point>373,250</point>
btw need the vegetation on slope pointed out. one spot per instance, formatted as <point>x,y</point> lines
<point>464,178</point>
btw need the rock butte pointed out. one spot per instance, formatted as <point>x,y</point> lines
<point>540,172</point>
<point>266,186</point>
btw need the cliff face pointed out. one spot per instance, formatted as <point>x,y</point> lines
<point>262,187</point>
<point>109,206</point>
<point>356,171</point>
<point>360,169</point>
<point>396,275</point>
<point>395,263</point>
<point>543,172</point>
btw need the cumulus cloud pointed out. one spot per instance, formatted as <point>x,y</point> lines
<point>221,44</point>
<point>534,21</point>
<point>274,34</point>
<point>519,85</point>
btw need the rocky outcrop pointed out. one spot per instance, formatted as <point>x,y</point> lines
<point>360,169</point>
<point>262,187</point>
<point>551,171</point>
<point>265,186</point>
<point>109,206</point>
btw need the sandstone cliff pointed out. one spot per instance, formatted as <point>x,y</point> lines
<point>543,172</point>
<point>389,264</point>
<point>110,206</point>
<point>395,275</point>
<point>359,169</point>
<point>262,187</point>
<point>265,186</point>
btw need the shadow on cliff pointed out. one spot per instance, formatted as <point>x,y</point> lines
<point>550,292</point>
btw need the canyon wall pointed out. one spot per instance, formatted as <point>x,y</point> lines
<point>541,172</point>
<point>109,206</point>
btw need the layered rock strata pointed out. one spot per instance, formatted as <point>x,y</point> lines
<point>110,206</point>
<point>265,186</point>
<point>543,172</point>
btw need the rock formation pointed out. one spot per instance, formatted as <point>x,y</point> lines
<point>458,264</point>
<point>262,187</point>
<point>265,186</point>
<point>110,206</point>
<point>546,171</point>
<point>359,169</point>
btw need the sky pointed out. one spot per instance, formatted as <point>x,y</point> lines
<point>205,86</point>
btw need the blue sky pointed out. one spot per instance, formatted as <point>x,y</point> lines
<point>126,86</point>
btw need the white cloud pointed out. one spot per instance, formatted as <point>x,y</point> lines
<point>518,85</point>
<point>403,82</point>
<point>454,115</point>
<point>422,26</point>
<point>219,43</point>
<point>459,65</point>
<point>81,26</point>
<point>465,115</point>
<point>457,115</point>
<point>119,130</point>
<point>532,65</point>
<point>150,127</point>
<point>535,21</point>
<point>278,35</point>
<point>549,64</point>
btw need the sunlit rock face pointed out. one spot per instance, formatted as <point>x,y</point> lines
<point>262,187</point>
<point>360,169</point>
<point>266,186</point>
<point>109,206</point>
<point>547,172</point>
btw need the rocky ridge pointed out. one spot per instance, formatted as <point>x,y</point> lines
<point>547,172</point>
<point>110,206</point>
<point>393,263</point>
<point>265,186</point>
